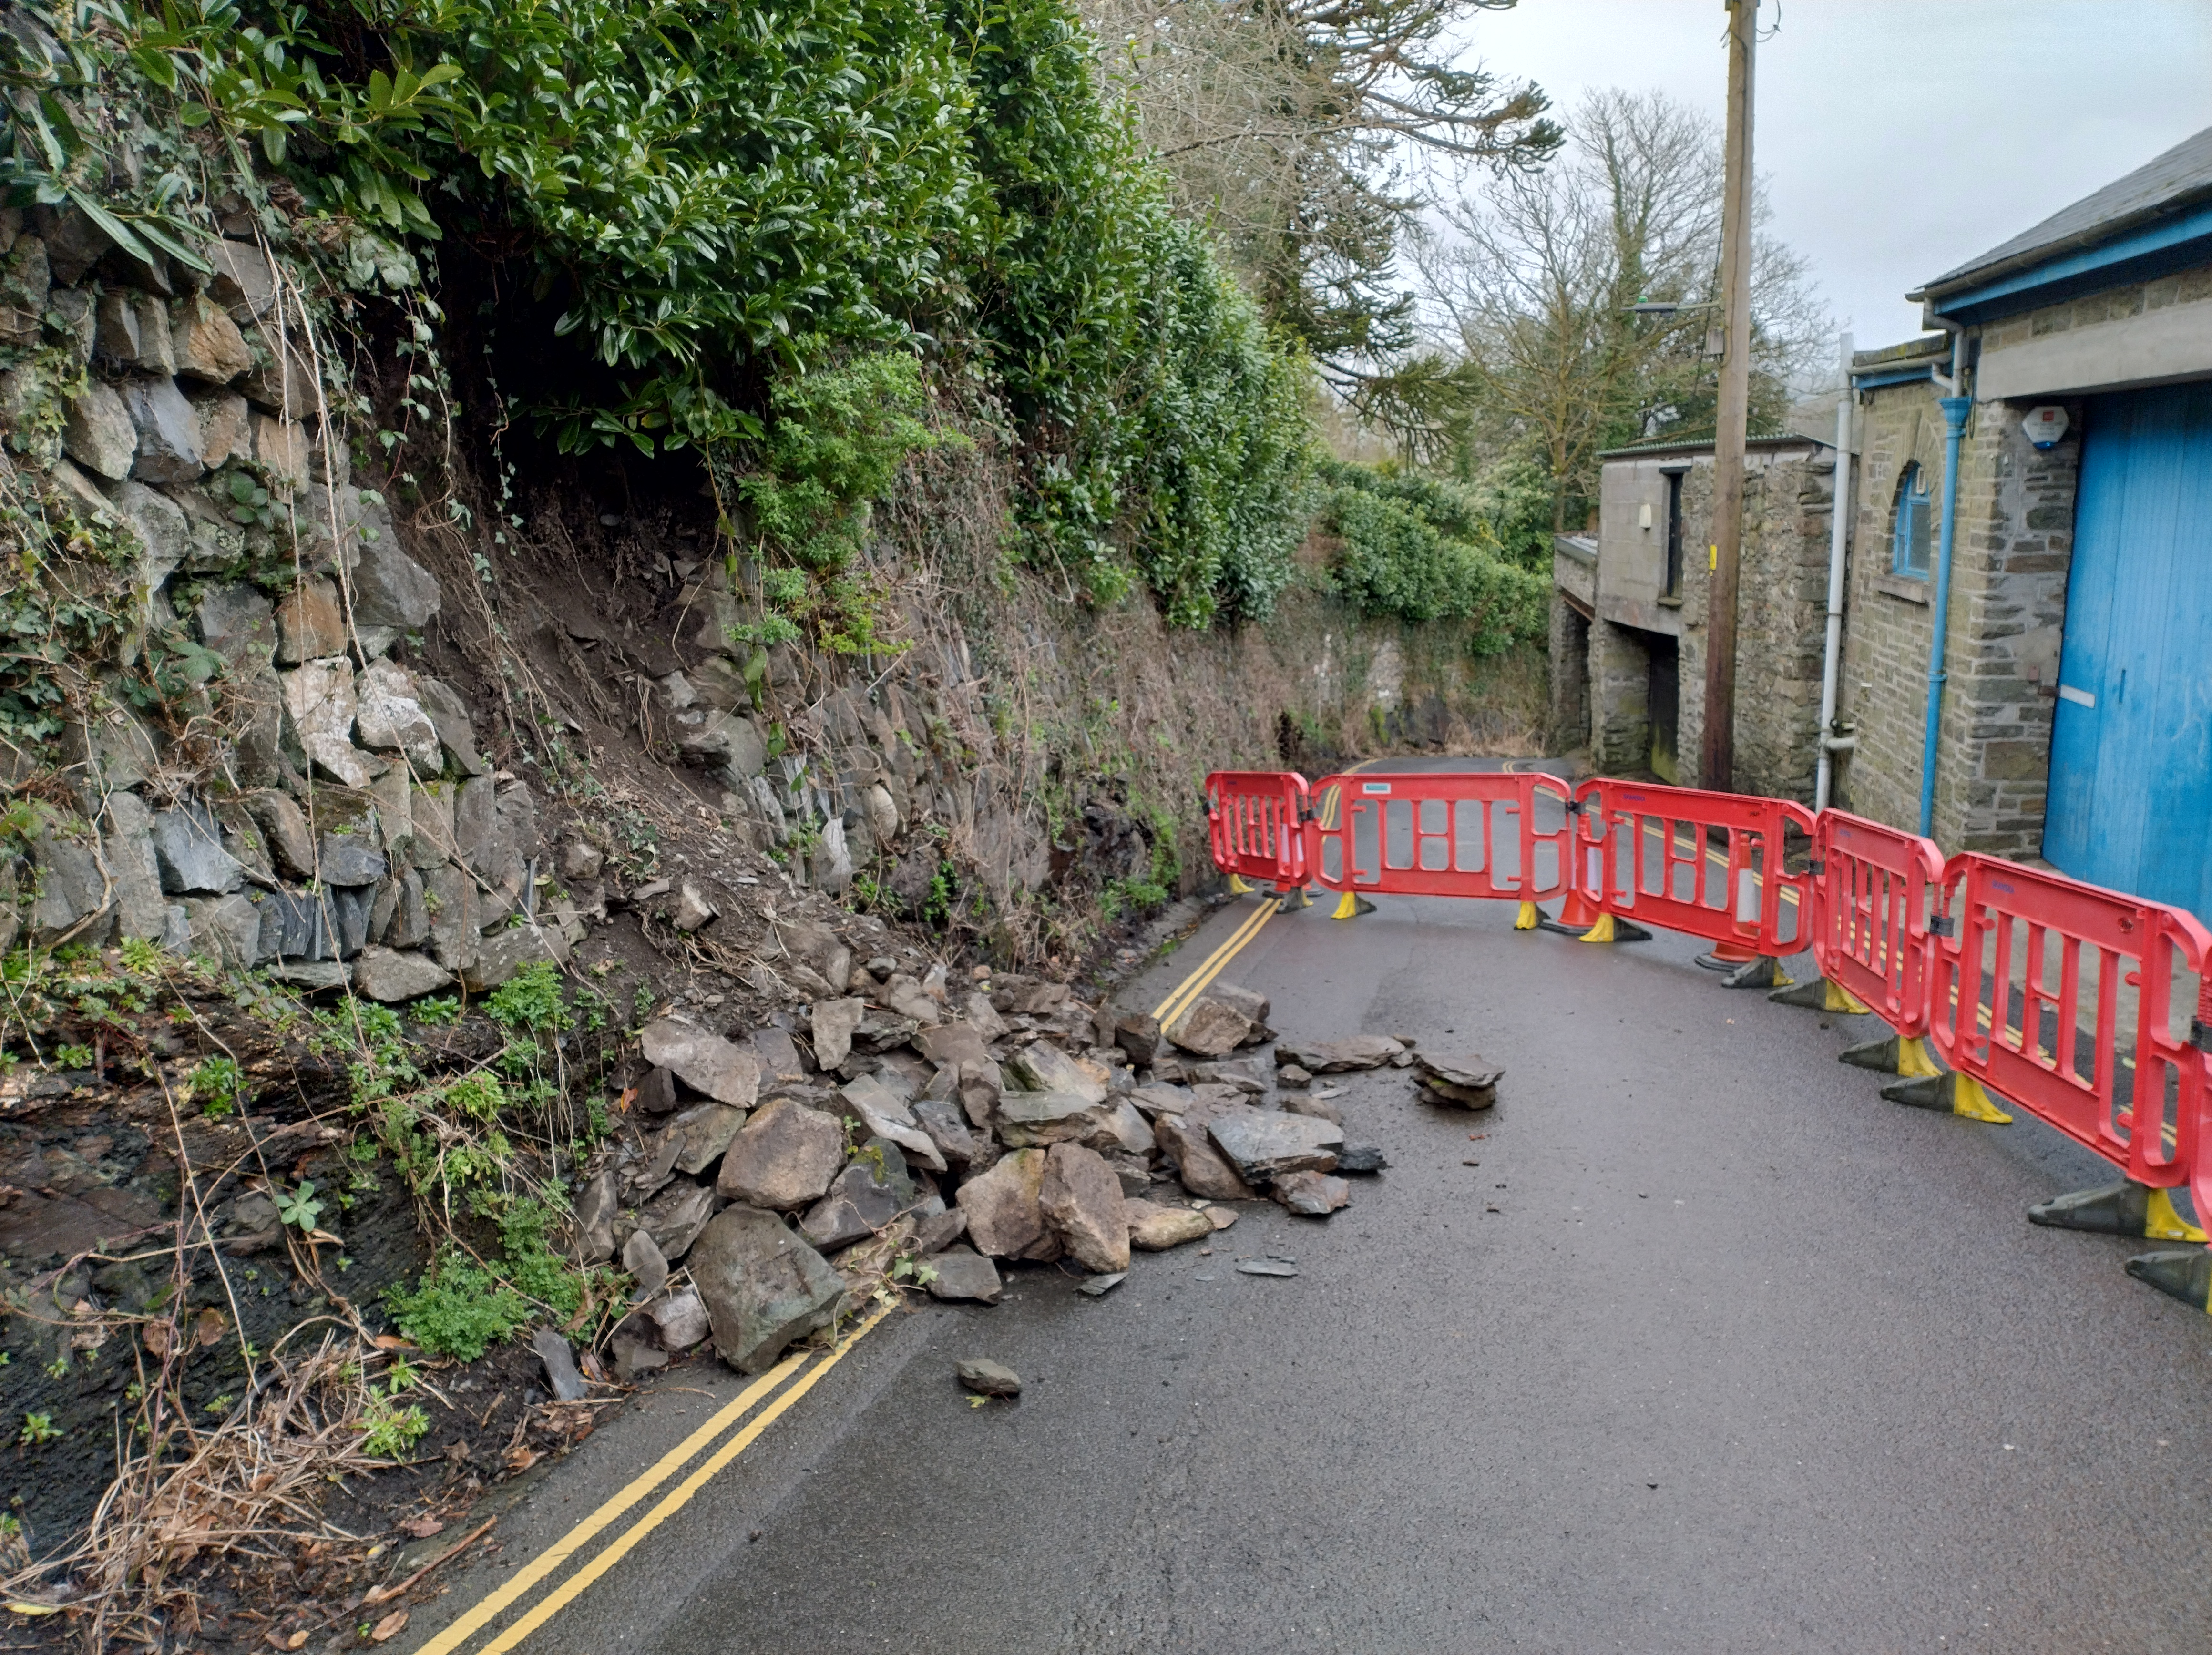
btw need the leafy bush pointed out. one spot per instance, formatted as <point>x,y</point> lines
<point>459,1308</point>
<point>1392,560</point>
<point>755,221</point>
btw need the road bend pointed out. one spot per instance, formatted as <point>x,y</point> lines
<point>1691,1342</point>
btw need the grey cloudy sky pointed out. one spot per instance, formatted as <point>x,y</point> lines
<point>1899,138</point>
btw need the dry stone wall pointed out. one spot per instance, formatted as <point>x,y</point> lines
<point>329,818</point>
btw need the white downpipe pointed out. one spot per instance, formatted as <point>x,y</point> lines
<point>1831,654</point>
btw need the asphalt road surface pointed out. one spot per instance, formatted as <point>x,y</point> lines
<point>1714,1350</point>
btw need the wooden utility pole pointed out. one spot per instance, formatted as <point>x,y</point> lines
<point>1717,759</point>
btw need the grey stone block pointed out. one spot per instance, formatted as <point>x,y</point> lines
<point>169,432</point>
<point>188,846</point>
<point>128,846</point>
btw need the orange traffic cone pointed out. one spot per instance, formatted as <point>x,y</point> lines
<point>1578,912</point>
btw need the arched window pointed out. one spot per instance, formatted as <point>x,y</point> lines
<point>1908,544</point>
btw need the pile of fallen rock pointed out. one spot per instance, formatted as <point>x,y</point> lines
<point>965,1127</point>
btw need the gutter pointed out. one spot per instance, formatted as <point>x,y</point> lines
<point>1955,410</point>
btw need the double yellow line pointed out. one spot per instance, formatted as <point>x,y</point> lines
<point>556,1557</point>
<point>1195,984</point>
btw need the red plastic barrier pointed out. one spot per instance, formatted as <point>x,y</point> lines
<point>1252,824</point>
<point>1647,854</point>
<point>2059,997</point>
<point>1875,890</point>
<point>1442,835</point>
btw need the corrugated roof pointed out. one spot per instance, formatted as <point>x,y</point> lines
<point>2181,176</point>
<point>1699,444</point>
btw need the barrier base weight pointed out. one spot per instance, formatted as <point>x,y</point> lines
<point>1894,1055</point>
<point>1294,897</point>
<point>1609,927</point>
<point>2124,1208</point>
<point>1766,971</point>
<point>2185,1274</point>
<point>1950,1094</point>
<point>1822,994</point>
<point>1349,906</point>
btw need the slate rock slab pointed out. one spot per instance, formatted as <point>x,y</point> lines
<point>1281,1267</point>
<point>833,1023</point>
<point>188,850</point>
<point>1336,1057</point>
<point>682,1319</point>
<point>962,1147</point>
<point>1003,1218</point>
<point>656,1091</point>
<point>1469,1081</point>
<point>705,1062</point>
<point>1037,1109</point>
<point>987,1378</point>
<point>1043,1067</point>
<point>885,1117</point>
<point>1155,1228</point>
<point>1203,1168</point>
<point>675,1216</point>
<point>595,1205</point>
<point>965,1274</point>
<point>349,860</point>
<point>642,1258</point>
<point>706,1130</point>
<point>1320,1105</point>
<point>1361,1158</point>
<point>860,1201</point>
<point>389,976</point>
<point>1081,1198</point>
<point>763,1286</point>
<point>1263,1144</point>
<point>561,1375</point>
<point>783,1157</point>
<point>1252,1003</point>
<point>1311,1195</point>
<point>952,1043</point>
<point>1209,1030</point>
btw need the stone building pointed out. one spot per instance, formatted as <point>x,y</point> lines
<point>1628,613</point>
<point>2075,722</point>
<point>2074,703</point>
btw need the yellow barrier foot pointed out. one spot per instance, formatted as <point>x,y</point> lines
<point>1238,886</point>
<point>1349,906</point>
<point>1610,928</point>
<point>1894,1055</point>
<point>1948,1094</point>
<point>1530,917</point>
<point>1823,995</point>
<point>2185,1274</point>
<point>1293,897</point>
<point>2125,1209</point>
<point>1766,971</point>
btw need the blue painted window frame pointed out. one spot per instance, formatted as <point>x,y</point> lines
<point>1910,547</point>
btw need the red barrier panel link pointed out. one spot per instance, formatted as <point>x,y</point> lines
<point>2060,997</point>
<point>1496,834</point>
<point>1647,854</point>
<point>1874,893</point>
<point>1252,824</point>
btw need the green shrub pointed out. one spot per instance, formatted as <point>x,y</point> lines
<point>460,1309</point>
<point>1391,561</point>
<point>754,223</point>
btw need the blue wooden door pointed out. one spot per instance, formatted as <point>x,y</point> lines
<point>2131,755</point>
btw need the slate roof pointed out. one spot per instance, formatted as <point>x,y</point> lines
<point>2179,177</point>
